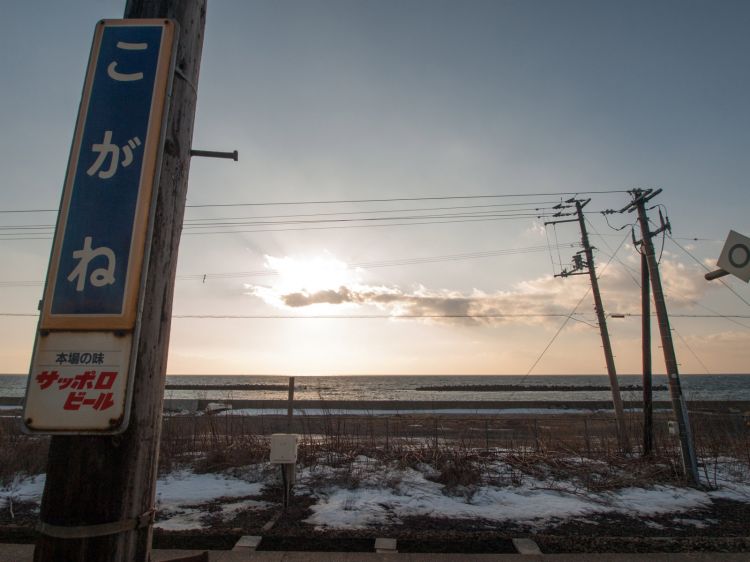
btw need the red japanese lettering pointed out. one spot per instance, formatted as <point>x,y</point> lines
<point>106,380</point>
<point>46,378</point>
<point>74,401</point>
<point>64,382</point>
<point>104,401</point>
<point>86,380</point>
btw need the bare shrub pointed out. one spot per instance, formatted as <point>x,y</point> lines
<point>461,451</point>
<point>21,454</point>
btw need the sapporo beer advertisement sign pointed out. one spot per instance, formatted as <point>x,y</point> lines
<point>79,380</point>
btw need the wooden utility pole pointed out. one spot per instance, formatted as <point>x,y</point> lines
<point>687,448</point>
<point>622,434</point>
<point>648,404</point>
<point>98,501</point>
<point>290,406</point>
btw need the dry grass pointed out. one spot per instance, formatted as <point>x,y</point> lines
<point>19,453</point>
<point>462,450</point>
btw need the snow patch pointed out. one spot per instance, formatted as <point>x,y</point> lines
<point>23,489</point>
<point>179,495</point>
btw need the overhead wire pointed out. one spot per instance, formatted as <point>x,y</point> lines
<point>577,316</point>
<point>311,228</point>
<point>412,209</point>
<point>357,265</point>
<point>399,199</point>
<point>612,255</point>
<point>337,316</point>
<point>379,200</point>
<point>631,271</point>
<point>735,293</point>
<point>216,227</point>
<point>474,214</point>
<point>565,322</point>
<point>690,349</point>
<point>549,246</point>
<point>337,227</point>
<point>541,205</point>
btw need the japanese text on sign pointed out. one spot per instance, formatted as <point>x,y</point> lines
<point>99,246</point>
<point>73,388</point>
<point>88,380</point>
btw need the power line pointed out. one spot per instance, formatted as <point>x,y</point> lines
<point>475,214</point>
<point>690,349</point>
<point>362,316</point>
<point>358,265</point>
<point>334,316</point>
<point>310,228</point>
<point>190,221</point>
<point>395,199</point>
<point>569,316</point>
<point>567,319</point>
<point>735,293</point>
<point>629,270</point>
<point>382,200</point>
<point>337,227</point>
<point>387,263</point>
<point>685,315</point>
<point>217,227</point>
<point>412,209</point>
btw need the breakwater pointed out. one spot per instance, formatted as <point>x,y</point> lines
<point>532,388</point>
<point>427,405</point>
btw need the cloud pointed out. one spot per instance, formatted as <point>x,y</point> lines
<point>535,301</point>
<point>537,229</point>
<point>530,302</point>
<point>296,300</point>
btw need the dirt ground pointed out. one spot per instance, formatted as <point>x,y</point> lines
<point>726,530</point>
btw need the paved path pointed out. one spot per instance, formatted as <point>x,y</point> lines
<point>24,553</point>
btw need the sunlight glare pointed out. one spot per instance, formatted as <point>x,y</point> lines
<point>310,275</point>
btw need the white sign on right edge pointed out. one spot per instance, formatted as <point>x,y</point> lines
<point>735,257</point>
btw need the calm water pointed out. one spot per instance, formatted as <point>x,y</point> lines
<point>401,387</point>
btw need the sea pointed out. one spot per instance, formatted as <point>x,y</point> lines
<point>405,387</point>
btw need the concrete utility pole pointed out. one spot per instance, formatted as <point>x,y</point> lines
<point>98,501</point>
<point>689,460</point>
<point>622,433</point>
<point>648,404</point>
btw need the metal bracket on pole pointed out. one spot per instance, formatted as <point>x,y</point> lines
<point>98,530</point>
<point>711,275</point>
<point>213,154</point>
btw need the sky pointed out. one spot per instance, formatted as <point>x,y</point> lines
<point>477,116</point>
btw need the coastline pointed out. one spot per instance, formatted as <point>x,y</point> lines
<point>395,407</point>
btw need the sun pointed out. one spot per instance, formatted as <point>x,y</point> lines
<point>310,274</point>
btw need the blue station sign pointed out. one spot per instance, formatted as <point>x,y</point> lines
<point>97,260</point>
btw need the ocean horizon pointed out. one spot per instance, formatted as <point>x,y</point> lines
<point>406,387</point>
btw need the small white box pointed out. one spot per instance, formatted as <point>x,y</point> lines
<point>673,427</point>
<point>284,448</point>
